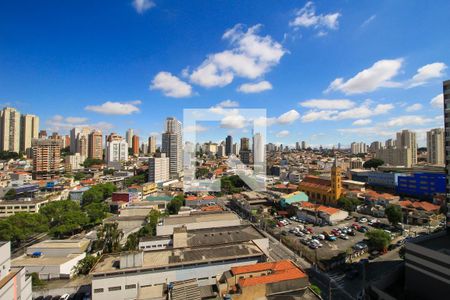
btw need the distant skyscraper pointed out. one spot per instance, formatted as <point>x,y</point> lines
<point>375,146</point>
<point>407,139</point>
<point>29,130</point>
<point>235,149</point>
<point>245,144</point>
<point>258,149</point>
<point>297,146</point>
<point>303,145</point>
<point>95,145</point>
<point>152,144</point>
<point>129,137</point>
<point>158,168</point>
<point>435,146</point>
<point>135,145</point>
<point>10,130</point>
<point>390,143</point>
<point>42,134</point>
<point>172,146</point>
<point>229,145</point>
<point>46,156</point>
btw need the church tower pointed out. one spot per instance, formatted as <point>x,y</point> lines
<point>336,181</point>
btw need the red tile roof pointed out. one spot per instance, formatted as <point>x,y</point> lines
<point>316,183</point>
<point>422,205</point>
<point>279,271</point>
<point>322,208</point>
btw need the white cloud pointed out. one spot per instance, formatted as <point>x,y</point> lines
<point>362,122</point>
<point>427,72</point>
<point>76,120</point>
<point>368,80</point>
<point>195,128</point>
<point>328,103</point>
<point>233,121</point>
<point>282,133</point>
<point>368,20</point>
<point>414,107</point>
<point>362,111</point>
<point>255,87</point>
<point>264,122</point>
<point>58,123</point>
<point>142,6</point>
<point>408,121</point>
<point>170,85</point>
<point>438,101</point>
<point>307,17</point>
<point>229,103</point>
<point>114,108</point>
<point>288,117</point>
<point>367,131</point>
<point>251,56</point>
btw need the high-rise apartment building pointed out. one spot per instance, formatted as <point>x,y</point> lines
<point>116,152</point>
<point>29,130</point>
<point>229,145</point>
<point>435,146</point>
<point>303,145</point>
<point>135,145</point>
<point>258,149</point>
<point>407,139</point>
<point>396,156</point>
<point>10,130</point>
<point>375,146</point>
<point>46,158</point>
<point>129,137</point>
<point>95,145</point>
<point>390,143</point>
<point>235,149</point>
<point>245,144</point>
<point>158,168</point>
<point>152,144</point>
<point>73,162</point>
<point>357,148</point>
<point>172,146</point>
<point>83,145</point>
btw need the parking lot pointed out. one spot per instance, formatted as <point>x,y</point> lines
<point>329,249</point>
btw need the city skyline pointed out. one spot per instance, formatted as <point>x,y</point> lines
<point>317,72</point>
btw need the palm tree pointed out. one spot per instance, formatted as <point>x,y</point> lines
<point>110,235</point>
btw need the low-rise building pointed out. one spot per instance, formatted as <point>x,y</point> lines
<point>319,214</point>
<point>53,259</point>
<point>292,198</point>
<point>197,220</point>
<point>11,207</point>
<point>14,283</point>
<point>421,185</point>
<point>420,212</point>
<point>263,280</point>
<point>121,276</point>
<point>194,201</point>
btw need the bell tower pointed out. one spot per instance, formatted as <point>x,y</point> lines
<point>336,181</point>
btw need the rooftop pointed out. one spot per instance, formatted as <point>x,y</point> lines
<point>201,217</point>
<point>438,242</point>
<point>62,244</point>
<point>222,235</point>
<point>177,257</point>
<point>20,202</point>
<point>25,260</point>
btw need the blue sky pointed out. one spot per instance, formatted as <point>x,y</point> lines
<point>326,71</point>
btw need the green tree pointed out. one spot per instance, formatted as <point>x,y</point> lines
<point>6,155</point>
<point>98,193</point>
<point>11,194</point>
<point>89,162</point>
<point>175,204</point>
<point>378,239</point>
<point>65,217</point>
<point>315,289</point>
<point>79,176</point>
<point>85,265</point>
<point>132,242</point>
<point>373,163</point>
<point>109,236</point>
<point>394,214</point>
<point>36,281</point>
<point>348,204</point>
<point>96,212</point>
<point>138,179</point>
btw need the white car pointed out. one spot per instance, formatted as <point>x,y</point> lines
<point>363,220</point>
<point>316,242</point>
<point>344,236</point>
<point>321,236</point>
<point>64,297</point>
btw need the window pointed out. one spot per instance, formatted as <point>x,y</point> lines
<point>114,288</point>
<point>130,286</point>
<point>96,291</point>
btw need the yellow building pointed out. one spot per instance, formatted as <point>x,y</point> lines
<point>325,191</point>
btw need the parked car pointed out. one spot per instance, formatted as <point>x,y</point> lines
<point>356,226</point>
<point>351,232</point>
<point>343,236</point>
<point>321,236</point>
<point>64,297</point>
<point>331,238</point>
<point>360,246</point>
<point>280,224</point>
<point>362,220</point>
<point>310,230</point>
<point>373,221</point>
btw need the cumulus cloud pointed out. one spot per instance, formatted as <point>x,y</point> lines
<point>408,121</point>
<point>306,17</point>
<point>233,121</point>
<point>115,108</point>
<point>377,76</point>
<point>414,107</point>
<point>328,103</point>
<point>251,56</point>
<point>438,101</point>
<point>59,123</point>
<point>363,111</point>
<point>426,73</point>
<point>258,87</point>
<point>142,6</point>
<point>362,122</point>
<point>229,103</point>
<point>195,128</point>
<point>282,133</point>
<point>170,85</point>
<point>288,117</point>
